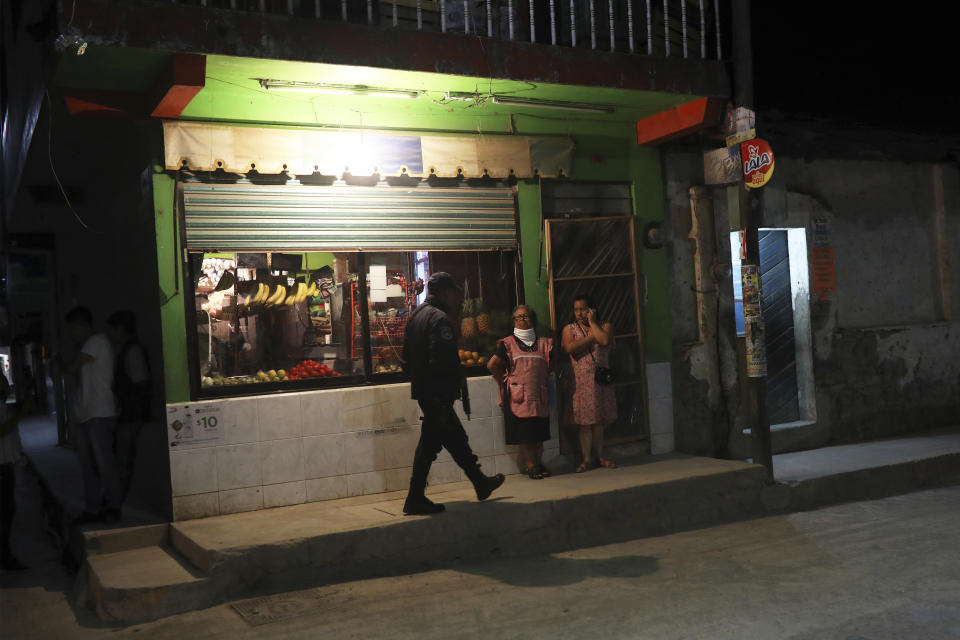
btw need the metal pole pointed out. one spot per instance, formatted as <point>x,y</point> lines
<point>489,20</point>
<point>630,23</point>
<point>703,33</point>
<point>610,15</point>
<point>593,26</point>
<point>573,24</point>
<point>649,28</point>
<point>553,22</point>
<point>751,219</point>
<point>683,26</point>
<point>533,24</point>
<point>666,27</point>
<point>716,19</point>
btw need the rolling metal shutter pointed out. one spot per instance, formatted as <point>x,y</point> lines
<point>340,217</point>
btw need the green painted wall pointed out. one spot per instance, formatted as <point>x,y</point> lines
<point>172,316</point>
<point>605,150</point>
<point>607,159</point>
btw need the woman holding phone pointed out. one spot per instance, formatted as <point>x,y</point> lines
<point>591,403</point>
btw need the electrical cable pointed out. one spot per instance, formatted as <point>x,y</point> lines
<point>53,169</point>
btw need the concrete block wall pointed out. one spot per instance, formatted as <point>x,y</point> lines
<point>660,398</point>
<point>320,445</point>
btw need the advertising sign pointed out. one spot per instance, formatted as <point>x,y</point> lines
<point>756,346</point>
<point>740,126</point>
<point>189,424</point>
<point>722,166</point>
<point>757,161</point>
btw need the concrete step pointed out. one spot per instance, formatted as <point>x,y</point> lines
<point>226,557</point>
<point>144,583</point>
<point>869,470</point>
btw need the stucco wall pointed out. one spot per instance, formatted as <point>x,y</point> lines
<point>885,346</point>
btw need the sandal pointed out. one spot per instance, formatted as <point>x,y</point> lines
<point>534,473</point>
<point>607,464</point>
<point>544,471</point>
<point>584,466</point>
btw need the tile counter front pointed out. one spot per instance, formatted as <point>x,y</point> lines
<point>243,454</point>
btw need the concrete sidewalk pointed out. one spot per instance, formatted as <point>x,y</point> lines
<point>146,572</point>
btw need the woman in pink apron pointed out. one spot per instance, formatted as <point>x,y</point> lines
<point>521,365</point>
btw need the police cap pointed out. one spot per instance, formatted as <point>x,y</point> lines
<point>440,282</point>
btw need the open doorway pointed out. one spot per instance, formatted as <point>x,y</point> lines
<point>785,288</point>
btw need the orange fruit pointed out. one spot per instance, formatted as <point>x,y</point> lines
<point>481,360</point>
<point>474,355</point>
<point>470,362</point>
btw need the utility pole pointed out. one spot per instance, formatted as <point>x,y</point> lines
<point>750,205</point>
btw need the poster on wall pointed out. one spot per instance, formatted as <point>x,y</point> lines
<point>740,125</point>
<point>722,166</point>
<point>192,424</point>
<point>756,346</point>
<point>822,258</point>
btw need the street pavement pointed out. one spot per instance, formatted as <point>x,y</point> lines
<point>873,570</point>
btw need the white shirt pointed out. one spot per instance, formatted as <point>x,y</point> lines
<point>95,395</point>
<point>135,366</point>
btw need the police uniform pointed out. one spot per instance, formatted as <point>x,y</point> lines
<point>430,358</point>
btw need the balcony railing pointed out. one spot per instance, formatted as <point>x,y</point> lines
<point>663,28</point>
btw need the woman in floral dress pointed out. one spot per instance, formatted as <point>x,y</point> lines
<point>591,406</point>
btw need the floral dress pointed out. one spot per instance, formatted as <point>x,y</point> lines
<point>586,401</point>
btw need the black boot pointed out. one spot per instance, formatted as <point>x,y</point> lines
<point>421,506</point>
<point>488,485</point>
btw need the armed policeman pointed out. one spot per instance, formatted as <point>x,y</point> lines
<point>436,381</point>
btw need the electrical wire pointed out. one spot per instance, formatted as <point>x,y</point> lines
<point>53,169</point>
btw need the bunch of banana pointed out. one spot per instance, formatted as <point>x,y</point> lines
<point>263,291</point>
<point>312,290</point>
<point>279,295</point>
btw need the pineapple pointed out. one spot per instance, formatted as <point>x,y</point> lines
<point>468,325</point>
<point>483,318</point>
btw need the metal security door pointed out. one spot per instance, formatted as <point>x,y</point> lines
<point>782,389</point>
<point>598,256</point>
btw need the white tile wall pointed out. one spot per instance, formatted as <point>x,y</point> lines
<point>279,495</point>
<point>200,505</point>
<point>280,416</point>
<point>282,460</point>
<point>323,456</point>
<point>237,500</point>
<point>321,445</point>
<point>326,488</point>
<point>240,418</point>
<point>193,471</point>
<point>660,394</point>
<point>361,484</point>
<point>238,466</point>
<point>322,412</point>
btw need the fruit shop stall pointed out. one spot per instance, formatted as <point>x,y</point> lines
<point>268,320</point>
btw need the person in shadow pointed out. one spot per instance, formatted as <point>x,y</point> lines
<point>133,386</point>
<point>96,411</point>
<point>10,453</point>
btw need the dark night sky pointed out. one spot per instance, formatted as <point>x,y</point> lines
<point>891,64</point>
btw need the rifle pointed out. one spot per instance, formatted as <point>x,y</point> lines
<point>465,396</point>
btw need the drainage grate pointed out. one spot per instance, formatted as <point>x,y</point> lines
<point>280,607</point>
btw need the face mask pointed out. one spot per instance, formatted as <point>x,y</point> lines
<point>526,336</point>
